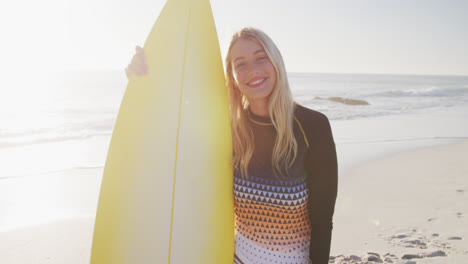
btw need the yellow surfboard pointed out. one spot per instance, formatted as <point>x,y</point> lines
<point>167,189</point>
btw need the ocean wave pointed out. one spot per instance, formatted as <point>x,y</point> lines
<point>428,91</point>
<point>49,138</point>
<point>15,134</point>
<point>70,129</point>
<point>50,171</point>
<point>88,167</point>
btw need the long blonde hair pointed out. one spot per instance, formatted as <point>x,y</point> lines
<point>280,107</point>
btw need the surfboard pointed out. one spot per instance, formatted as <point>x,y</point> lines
<point>167,187</point>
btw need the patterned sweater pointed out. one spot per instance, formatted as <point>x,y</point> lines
<point>287,219</point>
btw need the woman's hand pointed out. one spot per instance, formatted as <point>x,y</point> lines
<point>138,64</point>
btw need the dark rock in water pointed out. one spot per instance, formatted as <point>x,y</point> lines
<point>412,256</point>
<point>388,260</point>
<point>454,238</point>
<point>344,100</point>
<point>438,253</point>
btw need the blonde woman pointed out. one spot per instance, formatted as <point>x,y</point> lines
<point>285,166</point>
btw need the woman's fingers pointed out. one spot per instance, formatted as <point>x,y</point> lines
<point>137,69</point>
<point>140,60</point>
<point>138,64</point>
<point>138,49</point>
<point>132,69</point>
<point>141,53</point>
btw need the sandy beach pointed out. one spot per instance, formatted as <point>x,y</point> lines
<point>408,207</point>
<point>48,218</point>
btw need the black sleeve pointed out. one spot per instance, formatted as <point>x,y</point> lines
<point>322,181</point>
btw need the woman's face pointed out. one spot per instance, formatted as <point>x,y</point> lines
<point>253,71</point>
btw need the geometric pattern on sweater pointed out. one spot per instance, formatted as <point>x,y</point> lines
<point>271,220</point>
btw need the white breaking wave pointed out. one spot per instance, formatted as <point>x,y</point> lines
<point>429,91</point>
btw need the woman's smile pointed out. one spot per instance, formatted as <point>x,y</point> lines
<point>257,82</point>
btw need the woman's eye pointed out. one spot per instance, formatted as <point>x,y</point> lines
<point>261,58</point>
<point>240,65</point>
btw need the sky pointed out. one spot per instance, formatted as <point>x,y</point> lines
<point>422,37</point>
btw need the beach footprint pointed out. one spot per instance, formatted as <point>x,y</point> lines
<point>369,257</point>
<point>414,238</point>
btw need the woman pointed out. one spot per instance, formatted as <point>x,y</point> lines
<point>285,167</point>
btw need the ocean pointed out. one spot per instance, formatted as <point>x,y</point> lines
<point>66,121</point>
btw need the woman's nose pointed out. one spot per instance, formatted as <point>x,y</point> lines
<point>253,69</point>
